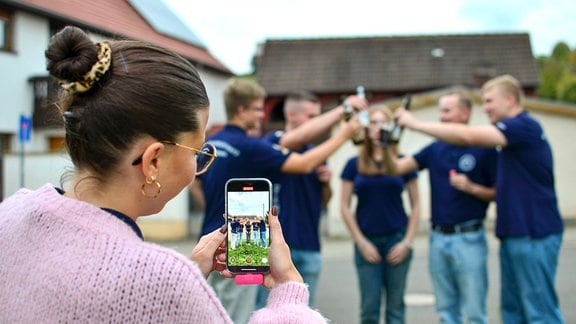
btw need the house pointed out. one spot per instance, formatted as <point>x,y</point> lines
<point>25,88</point>
<point>389,67</point>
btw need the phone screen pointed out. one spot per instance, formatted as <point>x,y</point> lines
<point>248,201</point>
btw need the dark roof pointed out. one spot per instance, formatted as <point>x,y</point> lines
<point>393,63</point>
<point>118,18</point>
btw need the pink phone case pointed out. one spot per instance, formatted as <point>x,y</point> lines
<point>249,279</point>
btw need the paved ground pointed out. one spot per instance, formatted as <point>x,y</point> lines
<point>337,297</point>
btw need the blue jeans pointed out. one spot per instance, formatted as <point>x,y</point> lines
<point>458,270</point>
<point>263,241</point>
<point>528,272</point>
<point>238,239</point>
<point>375,279</point>
<point>309,264</point>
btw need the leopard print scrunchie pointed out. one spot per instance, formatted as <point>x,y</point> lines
<point>96,72</point>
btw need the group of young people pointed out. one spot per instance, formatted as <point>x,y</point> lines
<point>135,119</point>
<point>250,231</point>
<point>509,162</point>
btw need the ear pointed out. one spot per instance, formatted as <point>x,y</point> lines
<point>151,161</point>
<point>511,100</point>
<point>289,114</point>
<point>241,109</point>
<point>467,113</point>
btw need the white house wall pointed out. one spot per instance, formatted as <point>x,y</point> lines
<point>39,166</point>
<point>27,60</point>
<point>215,85</point>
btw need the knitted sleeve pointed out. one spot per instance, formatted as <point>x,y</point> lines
<point>176,292</point>
<point>288,303</point>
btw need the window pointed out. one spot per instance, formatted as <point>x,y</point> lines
<point>6,22</point>
<point>46,114</point>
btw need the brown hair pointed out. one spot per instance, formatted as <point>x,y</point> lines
<point>241,92</point>
<point>148,90</point>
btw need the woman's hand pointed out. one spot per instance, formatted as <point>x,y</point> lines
<point>281,267</point>
<point>210,253</point>
<point>398,253</point>
<point>369,252</point>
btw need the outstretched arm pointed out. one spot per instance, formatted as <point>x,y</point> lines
<point>306,133</point>
<point>399,166</point>
<point>453,133</point>
<point>307,161</point>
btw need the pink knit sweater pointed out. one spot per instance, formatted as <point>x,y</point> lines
<point>63,260</point>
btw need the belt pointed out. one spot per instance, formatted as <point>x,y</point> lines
<point>456,228</point>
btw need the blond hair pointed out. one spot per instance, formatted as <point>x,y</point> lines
<point>508,85</point>
<point>366,164</point>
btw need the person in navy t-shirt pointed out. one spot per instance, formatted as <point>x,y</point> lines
<point>234,232</point>
<point>381,230</point>
<point>262,227</point>
<point>462,181</point>
<point>244,156</point>
<point>302,197</point>
<point>528,223</point>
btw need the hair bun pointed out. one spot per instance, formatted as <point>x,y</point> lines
<point>71,54</point>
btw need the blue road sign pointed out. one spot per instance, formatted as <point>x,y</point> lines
<point>25,128</point>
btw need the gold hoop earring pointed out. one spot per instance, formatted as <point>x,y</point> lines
<point>149,182</point>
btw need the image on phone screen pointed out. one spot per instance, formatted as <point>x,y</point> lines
<point>247,204</point>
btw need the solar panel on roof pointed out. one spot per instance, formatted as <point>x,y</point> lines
<point>164,21</point>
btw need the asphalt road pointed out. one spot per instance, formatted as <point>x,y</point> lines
<point>338,298</point>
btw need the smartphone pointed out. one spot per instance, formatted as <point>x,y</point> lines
<point>248,201</point>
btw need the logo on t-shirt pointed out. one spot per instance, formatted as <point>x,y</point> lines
<point>501,126</point>
<point>467,162</point>
<point>282,149</point>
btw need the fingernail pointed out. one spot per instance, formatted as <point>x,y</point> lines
<point>274,211</point>
<point>224,229</point>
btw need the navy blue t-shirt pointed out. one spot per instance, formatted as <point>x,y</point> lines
<point>380,209</point>
<point>239,156</point>
<point>299,201</point>
<point>525,191</point>
<point>451,206</point>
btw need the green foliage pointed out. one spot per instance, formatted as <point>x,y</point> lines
<point>572,59</point>
<point>558,74</point>
<point>561,52</point>
<point>567,88</point>
<point>248,254</point>
<point>550,75</point>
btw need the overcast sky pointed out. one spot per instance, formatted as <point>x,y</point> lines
<point>231,29</point>
<point>248,203</point>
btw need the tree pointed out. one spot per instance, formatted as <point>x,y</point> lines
<point>558,74</point>
<point>561,53</point>
<point>567,88</point>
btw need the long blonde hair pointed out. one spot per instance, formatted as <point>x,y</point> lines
<point>366,164</point>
